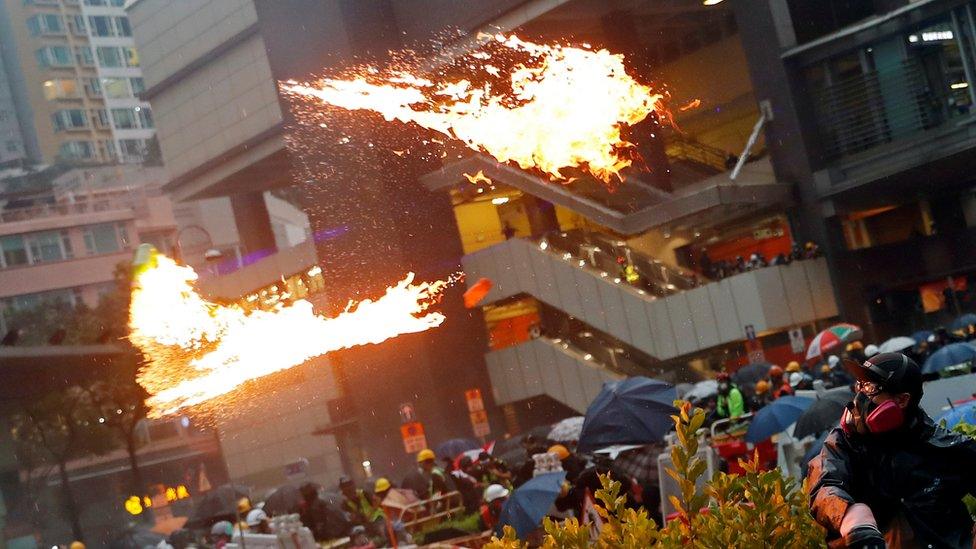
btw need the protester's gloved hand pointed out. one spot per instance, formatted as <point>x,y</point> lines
<point>860,529</point>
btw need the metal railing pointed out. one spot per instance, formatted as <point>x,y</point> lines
<point>680,147</point>
<point>876,107</point>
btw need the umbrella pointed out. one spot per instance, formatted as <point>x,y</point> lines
<point>136,538</point>
<point>832,338</point>
<point>283,501</point>
<point>217,504</point>
<point>455,446</point>
<point>702,390</point>
<point>824,413</point>
<point>950,355</point>
<point>530,502</point>
<point>776,417</point>
<point>896,345</point>
<point>751,373</point>
<point>567,430</point>
<point>682,389</point>
<point>960,323</point>
<point>636,410</point>
<point>964,413</point>
<point>921,335</point>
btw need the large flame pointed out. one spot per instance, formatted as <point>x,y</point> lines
<point>198,350</point>
<point>565,110</point>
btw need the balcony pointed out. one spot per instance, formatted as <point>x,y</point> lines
<point>663,327</point>
<point>701,195</point>
<point>544,366</point>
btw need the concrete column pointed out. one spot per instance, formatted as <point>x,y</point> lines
<point>253,222</point>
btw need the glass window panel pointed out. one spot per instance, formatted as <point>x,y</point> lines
<point>45,247</point>
<point>14,250</point>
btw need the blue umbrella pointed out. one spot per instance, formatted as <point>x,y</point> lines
<point>950,355</point>
<point>963,413</point>
<point>454,447</point>
<point>636,410</point>
<point>963,321</point>
<point>776,417</point>
<point>921,335</point>
<point>530,502</point>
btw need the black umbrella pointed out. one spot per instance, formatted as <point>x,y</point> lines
<point>824,413</point>
<point>217,504</point>
<point>635,410</point>
<point>283,501</point>
<point>751,373</point>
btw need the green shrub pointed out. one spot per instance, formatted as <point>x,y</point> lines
<point>756,509</point>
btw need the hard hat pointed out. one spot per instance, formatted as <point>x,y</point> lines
<point>871,350</point>
<point>243,505</point>
<point>795,379</point>
<point>762,386</point>
<point>222,528</point>
<point>775,371</point>
<point>77,545</point>
<point>560,451</point>
<point>382,485</point>
<point>256,516</point>
<point>426,455</point>
<point>825,368</point>
<point>854,345</point>
<point>793,366</point>
<point>833,361</point>
<point>495,491</point>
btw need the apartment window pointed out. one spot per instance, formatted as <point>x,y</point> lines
<point>70,119</point>
<point>122,25</point>
<point>83,54</point>
<point>54,56</point>
<point>93,87</point>
<point>145,117</point>
<point>105,238</point>
<point>77,150</point>
<point>49,246</point>
<point>107,148</point>
<point>131,57</point>
<point>109,56</point>
<point>125,119</point>
<point>60,88</point>
<point>117,3</point>
<point>45,23</point>
<point>138,85</point>
<point>76,24</point>
<point>100,25</point>
<point>132,148</point>
<point>26,302</point>
<point>95,3</point>
<point>14,252</point>
<point>100,118</point>
<point>115,87</point>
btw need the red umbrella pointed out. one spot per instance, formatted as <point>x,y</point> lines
<point>832,338</point>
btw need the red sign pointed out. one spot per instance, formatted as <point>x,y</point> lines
<point>475,402</point>
<point>413,437</point>
<point>479,422</point>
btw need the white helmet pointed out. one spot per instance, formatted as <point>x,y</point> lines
<point>795,379</point>
<point>833,361</point>
<point>871,350</point>
<point>255,516</point>
<point>495,491</point>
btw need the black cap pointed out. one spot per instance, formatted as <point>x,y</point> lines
<point>895,372</point>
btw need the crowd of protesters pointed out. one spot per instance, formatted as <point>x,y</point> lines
<point>717,270</point>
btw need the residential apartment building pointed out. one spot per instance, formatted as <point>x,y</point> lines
<point>75,81</point>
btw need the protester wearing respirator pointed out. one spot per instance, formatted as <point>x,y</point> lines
<point>888,476</point>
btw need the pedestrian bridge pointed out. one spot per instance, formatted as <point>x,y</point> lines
<point>765,300</point>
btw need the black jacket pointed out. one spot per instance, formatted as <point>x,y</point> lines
<point>913,479</point>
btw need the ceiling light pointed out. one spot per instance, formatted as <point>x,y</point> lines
<point>711,2</point>
<point>500,200</point>
<point>959,85</point>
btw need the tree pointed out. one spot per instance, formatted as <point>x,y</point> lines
<point>59,427</point>
<point>121,402</point>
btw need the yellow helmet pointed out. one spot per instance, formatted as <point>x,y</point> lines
<point>425,455</point>
<point>793,366</point>
<point>560,451</point>
<point>243,506</point>
<point>77,545</point>
<point>382,485</point>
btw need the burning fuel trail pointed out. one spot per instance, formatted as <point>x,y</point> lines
<point>198,350</point>
<point>566,107</point>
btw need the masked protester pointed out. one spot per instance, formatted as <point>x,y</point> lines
<point>888,476</point>
<point>730,402</point>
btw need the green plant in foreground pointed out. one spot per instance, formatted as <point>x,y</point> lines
<point>970,431</point>
<point>753,510</point>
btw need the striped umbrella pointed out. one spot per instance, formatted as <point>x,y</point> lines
<point>833,338</point>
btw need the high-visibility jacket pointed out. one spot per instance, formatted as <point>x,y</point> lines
<point>731,405</point>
